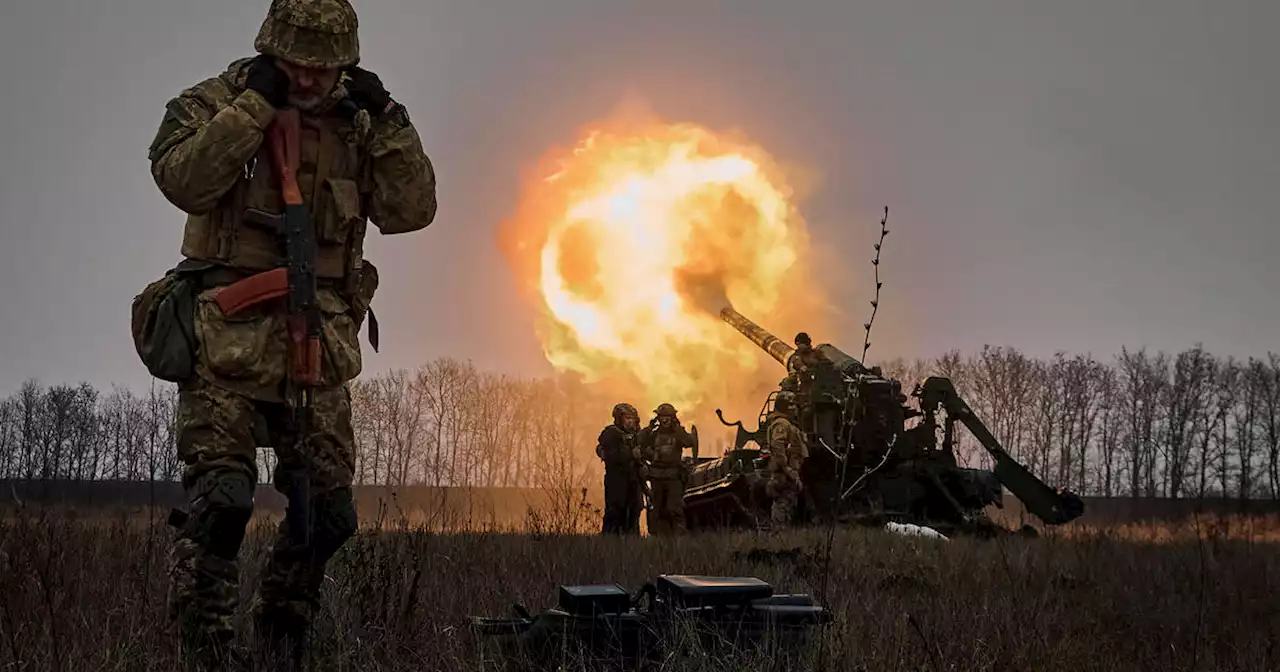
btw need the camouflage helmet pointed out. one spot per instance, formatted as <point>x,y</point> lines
<point>665,410</point>
<point>310,33</point>
<point>802,338</point>
<point>623,410</point>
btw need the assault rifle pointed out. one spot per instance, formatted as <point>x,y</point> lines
<point>295,280</point>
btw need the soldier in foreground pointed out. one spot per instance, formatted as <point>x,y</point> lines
<point>359,160</point>
<point>624,473</point>
<point>787,453</point>
<point>662,446</point>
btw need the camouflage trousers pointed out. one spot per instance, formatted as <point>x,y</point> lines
<point>218,433</point>
<point>786,494</point>
<point>667,515</point>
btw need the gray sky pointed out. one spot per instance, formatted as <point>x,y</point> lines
<point>1061,175</point>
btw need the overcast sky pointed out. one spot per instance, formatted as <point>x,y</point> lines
<point>1061,175</point>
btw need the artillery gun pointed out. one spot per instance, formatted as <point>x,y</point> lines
<point>865,464</point>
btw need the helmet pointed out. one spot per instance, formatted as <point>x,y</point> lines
<point>785,402</point>
<point>310,33</point>
<point>665,409</point>
<point>624,410</point>
<point>802,338</point>
<point>788,384</point>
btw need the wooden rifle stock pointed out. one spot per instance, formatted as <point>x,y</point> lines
<point>305,353</point>
<point>283,136</point>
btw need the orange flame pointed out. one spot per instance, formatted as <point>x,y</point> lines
<point>631,243</point>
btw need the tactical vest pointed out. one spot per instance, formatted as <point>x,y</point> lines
<point>667,449</point>
<point>240,231</point>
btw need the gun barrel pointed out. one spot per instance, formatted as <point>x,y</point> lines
<point>776,347</point>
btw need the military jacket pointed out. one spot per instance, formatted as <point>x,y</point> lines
<point>210,159</point>
<point>663,450</point>
<point>787,448</point>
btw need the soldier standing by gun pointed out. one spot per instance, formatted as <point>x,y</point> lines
<point>623,471</point>
<point>805,356</point>
<point>787,453</point>
<point>280,162</point>
<point>662,446</point>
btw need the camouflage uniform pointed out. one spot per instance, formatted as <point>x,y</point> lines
<point>787,453</point>
<point>623,472</point>
<point>662,446</point>
<point>361,160</point>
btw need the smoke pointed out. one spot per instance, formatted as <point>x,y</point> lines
<point>704,290</point>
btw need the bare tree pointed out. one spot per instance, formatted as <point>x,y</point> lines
<point>1268,381</point>
<point>1111,431</point>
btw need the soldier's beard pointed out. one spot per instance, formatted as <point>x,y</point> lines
<point>306,103</point>
<point>309,99</point>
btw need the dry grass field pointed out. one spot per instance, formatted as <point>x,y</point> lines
<point>84,593</point>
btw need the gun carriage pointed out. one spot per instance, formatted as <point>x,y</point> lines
<point>873,457</point>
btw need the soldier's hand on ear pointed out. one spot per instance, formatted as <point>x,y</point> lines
<point>367,91</point>
<point>271,82</point>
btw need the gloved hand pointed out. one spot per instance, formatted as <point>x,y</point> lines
<point>268,80</point>
<point>367,92</point>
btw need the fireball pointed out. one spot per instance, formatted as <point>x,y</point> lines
<point>632,242</point>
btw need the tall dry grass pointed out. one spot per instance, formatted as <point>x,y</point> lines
<point>81,592</point>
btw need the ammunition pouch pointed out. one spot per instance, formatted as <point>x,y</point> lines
<point>163,322</point>
<point>341,358</point>
<point>249,347</point>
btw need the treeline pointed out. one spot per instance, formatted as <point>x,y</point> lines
<point>446,424</point>
<point>1140,424</point>
<point>78,433</point>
